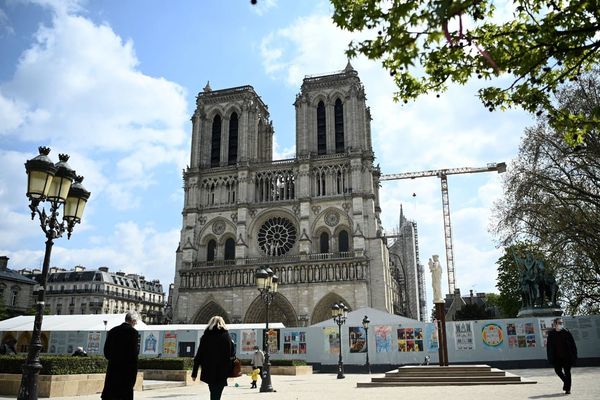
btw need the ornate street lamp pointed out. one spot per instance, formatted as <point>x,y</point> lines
<point>53,183</point>
<point>365,324</point>
<point>266,283</point>
<point>339,312</point>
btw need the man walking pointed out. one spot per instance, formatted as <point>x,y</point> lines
<point>258,358</point>
<point>121,351</point>
<point>562,352</point>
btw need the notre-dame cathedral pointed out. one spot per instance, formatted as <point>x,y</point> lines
<point>313,219</point>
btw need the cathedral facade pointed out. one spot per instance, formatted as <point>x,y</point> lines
<point>314,219</point>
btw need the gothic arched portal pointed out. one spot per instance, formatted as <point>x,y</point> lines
<point>280,310</point>
<point>322,310</point>
<point>208,311</point>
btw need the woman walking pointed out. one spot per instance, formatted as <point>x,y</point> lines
<point>214,356</point>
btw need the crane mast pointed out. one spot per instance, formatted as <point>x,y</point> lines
<point>443,175</point>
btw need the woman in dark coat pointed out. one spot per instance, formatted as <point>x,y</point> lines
<point>562,352</point>
<point>214,356</point>
<point>121,351</point>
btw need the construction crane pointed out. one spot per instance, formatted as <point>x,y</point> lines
<point>443,175</point>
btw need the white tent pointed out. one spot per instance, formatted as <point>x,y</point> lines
<point>376,317</point>
<point>87,322</point>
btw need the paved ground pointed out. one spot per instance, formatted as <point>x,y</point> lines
<point>586,385</point>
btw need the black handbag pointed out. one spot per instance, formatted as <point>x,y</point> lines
<point>236,364</point>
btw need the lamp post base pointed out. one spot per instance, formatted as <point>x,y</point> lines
<point>265,383</point>
<point>340,374</point>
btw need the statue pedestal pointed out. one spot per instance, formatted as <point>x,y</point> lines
<point>539,312</point>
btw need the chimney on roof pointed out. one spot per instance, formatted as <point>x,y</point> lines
<point>3,263</point>
<point>79,268</point>
<point>121,273</point>
<point>103,269</point>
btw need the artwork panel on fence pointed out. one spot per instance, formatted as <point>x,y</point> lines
<point>357,339</point>
<point>170,343</point>
<point>234,339</point>
<point>410,339</point>
<point>150,342</point>
<point>492,336</point>
<point>294,342</point>
<point>248,341</point>
<point>383,338</point>
<point>463,335</point>
<point>431,337</point>
<point>332,340</point>
<point>520,334</point>
<point>93,342</point>
<point>273,340</point>
<point>545,327</point>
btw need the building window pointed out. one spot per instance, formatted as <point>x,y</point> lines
<point>230,249</point>
<point>343,241</point>
<point>215,150</point>
<point>339,126</point>
<point>321,129</point>
<point>233,139</point>
<point>324,242</point>
<point>14,295</point>
<point>210,250</point>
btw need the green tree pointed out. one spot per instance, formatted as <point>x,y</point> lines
<point>552,199</point>
<point>508,281</point>
<point>471,312</point>
<point>425,44</point>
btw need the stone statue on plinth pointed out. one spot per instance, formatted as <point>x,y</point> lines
<point>436,278</point>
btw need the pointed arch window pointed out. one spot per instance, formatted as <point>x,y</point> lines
<point>215,149</point>
<point>324,243</point>
<point>338,111</point>
<point>230,249</point>
<point>211,250</point>
<point>321,129</point>
<point>233,139</point>
<point>343,242</point>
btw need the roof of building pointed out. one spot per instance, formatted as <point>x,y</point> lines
<point>87,322</point>
<point>376,317</point>
<point>14,276</point>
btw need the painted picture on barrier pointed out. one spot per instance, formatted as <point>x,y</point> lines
<point>273,340</point>
<point>93,343</point>
<point>545,327</point>
<point>170,343</point>
<point>150,344</point>
<point>234,339</point>
<point>248,341</point>
<point>520,334</point>
<point>294,343</point>
<point>492,336</point>
<point>463,335</point>
<point>357,339</point>
<point>410,339</point>
<point>383,339</point>
<point>431,337</point>
<point>332,340</point>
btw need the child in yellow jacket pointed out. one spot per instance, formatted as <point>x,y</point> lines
<point>254,376</point>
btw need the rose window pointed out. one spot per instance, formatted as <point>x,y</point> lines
<point>276,236</point>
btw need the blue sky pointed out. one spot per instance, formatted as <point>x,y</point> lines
<point>113,84</point>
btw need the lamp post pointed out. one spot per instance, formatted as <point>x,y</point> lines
<point>266,283</point>
<point>365,324</point>
<point>59,186</point>
<point>339,312</point>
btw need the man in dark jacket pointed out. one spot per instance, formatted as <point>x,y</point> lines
<point>121,351</point>
<point>214,356</point>
<point>562,352</point>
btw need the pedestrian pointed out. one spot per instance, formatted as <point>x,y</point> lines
<point>215,357</point>
<point>562,352</point>
<point>254,376</point>
<point>121,350</point>
<point>258,359</point>
<point>79,352</point>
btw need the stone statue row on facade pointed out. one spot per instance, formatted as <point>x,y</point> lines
<point>538,285</point>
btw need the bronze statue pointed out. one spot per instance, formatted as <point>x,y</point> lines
<point>537,284</point>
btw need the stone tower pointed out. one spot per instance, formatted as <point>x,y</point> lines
<point>314,219</point>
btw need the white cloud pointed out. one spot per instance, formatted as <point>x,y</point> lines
<point>5,26</point>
